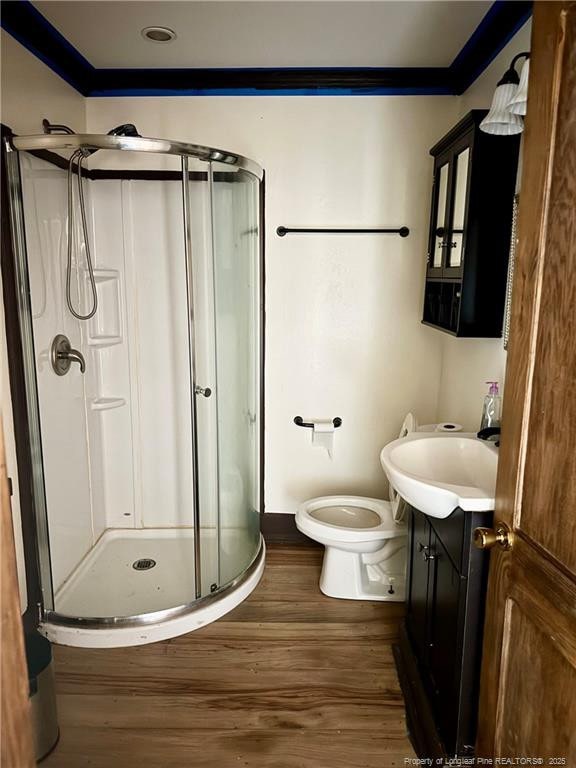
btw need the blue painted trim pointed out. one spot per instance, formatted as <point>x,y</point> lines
<point>53,32</point>
<point>33,30</point>
<point>502,21</point>
<point>24,22</point>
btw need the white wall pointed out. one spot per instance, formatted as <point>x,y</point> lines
<point>342,312</point>
<point>30,91</point>
<point>468,363</point>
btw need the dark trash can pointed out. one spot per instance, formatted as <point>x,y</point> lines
<point>42,694</point>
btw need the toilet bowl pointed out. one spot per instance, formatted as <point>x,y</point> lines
<point>365,542</point>
<point>365,555</point>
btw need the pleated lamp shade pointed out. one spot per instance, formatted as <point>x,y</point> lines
<point>519,101</point>
<point>499,120</point>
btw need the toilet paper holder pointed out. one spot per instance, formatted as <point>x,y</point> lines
<point>299,421</point>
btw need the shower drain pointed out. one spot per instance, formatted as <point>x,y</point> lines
<point>144,564</point>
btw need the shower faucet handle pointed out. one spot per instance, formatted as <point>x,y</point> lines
<point>62,356</point>
<point>206,391</point>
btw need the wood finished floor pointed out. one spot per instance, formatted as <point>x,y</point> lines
<point>290,679</point>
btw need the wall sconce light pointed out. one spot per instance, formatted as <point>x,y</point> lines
<point>509,101</point>
<point>520,100</point>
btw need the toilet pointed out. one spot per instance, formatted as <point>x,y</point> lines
<point>365,542</point>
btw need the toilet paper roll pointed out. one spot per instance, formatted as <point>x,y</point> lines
<point>448,426</point>
<point>323,435</point>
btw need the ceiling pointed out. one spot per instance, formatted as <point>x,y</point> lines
<point>223,34</point>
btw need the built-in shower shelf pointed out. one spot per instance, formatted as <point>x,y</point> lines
<point>105,328</point>
<point>103,275</point>
<point>104,341</point>
<point>107,403</point>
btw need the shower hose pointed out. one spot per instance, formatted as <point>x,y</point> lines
<point>78,156</point>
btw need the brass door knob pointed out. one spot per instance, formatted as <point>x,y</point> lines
<point>486,538</point>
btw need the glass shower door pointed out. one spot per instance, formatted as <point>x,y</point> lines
<point>202,373</point>
<point>236,259</point>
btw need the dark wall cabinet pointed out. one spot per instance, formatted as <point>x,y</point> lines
<point>473,190</point>
<point>439,653</point>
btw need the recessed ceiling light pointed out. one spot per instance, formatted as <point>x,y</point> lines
<point>158,34</point>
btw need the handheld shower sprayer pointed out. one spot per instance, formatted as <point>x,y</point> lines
<point>78,157</point>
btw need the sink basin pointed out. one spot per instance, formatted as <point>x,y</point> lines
<point>437,472</point>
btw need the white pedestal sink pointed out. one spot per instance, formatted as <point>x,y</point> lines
<point>436,472</point>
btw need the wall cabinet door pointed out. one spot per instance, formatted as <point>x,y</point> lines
<point>440,216</point>
<point>460,167</point>
<point>470,226</point>
<point>449,211</point>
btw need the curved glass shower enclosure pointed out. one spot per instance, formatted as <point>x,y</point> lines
<point>144,418</point>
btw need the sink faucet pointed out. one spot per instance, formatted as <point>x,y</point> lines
<point>488,433</point>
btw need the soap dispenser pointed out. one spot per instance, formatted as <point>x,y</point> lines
<point>491,409</point>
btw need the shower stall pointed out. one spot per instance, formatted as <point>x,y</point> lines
<point>142,418</point>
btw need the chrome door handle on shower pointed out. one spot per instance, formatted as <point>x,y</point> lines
<point>62,355</point>
<point>206,391</point>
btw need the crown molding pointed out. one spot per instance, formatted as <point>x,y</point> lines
<point>27,25</point>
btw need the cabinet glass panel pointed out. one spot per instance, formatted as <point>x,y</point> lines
<point>460,187</point>
<point>439,239</point>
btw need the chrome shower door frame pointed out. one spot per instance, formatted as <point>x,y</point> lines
<point>193,382</point>
<point>18,233</point>
<point>12,146</point>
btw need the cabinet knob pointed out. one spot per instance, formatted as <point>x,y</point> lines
<point>424,550</point>
<point>486,538</point>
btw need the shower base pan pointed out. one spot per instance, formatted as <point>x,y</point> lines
<point>137,586</point>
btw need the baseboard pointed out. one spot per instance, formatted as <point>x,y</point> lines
<point>280,528</point>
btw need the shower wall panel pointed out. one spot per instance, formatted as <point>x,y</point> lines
<point>146,434</point>
<point>111,409</point>
<point>158,332</point>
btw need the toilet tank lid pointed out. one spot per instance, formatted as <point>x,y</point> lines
<point>409,424</point>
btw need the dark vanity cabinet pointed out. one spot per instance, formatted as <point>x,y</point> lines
<point>473,188</point>
<point>439,651</point>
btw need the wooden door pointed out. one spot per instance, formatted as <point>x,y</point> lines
<point>16,745</point>
<point>528,686</point>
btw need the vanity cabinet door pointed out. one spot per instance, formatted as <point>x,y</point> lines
<point>446,590</point>
<point>417,616</point>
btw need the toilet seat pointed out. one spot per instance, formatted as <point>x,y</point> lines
<point>325,516</point>
<point>346,516</point>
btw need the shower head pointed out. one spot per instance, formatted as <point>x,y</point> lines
<point>128,129</point>
<point>49,127</point>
